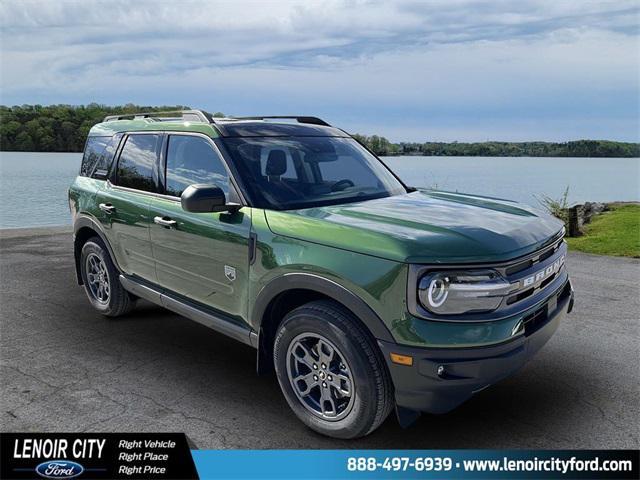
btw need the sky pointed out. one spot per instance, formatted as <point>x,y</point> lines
<point>409,70</point>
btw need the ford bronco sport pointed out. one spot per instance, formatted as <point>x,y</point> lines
<point>362,293</point>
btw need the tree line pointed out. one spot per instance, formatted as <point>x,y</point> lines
<point>577,148</point>
<point>58,128</point>
<point>64,128</point>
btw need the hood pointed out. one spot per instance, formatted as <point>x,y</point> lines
<point>424,227</point>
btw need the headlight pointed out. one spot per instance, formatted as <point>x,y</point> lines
<point>456,292</point>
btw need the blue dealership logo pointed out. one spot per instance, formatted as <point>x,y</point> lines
<point>59,469</point>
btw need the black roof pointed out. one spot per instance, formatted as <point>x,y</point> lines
<point>260,128</point>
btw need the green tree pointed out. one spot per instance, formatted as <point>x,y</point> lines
<point>24,143</point>
<point>64,128</point>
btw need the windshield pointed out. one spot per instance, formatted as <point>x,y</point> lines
<point>300,172</point>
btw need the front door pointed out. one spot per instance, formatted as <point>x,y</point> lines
<point>202,256</point>
<point>124,205</point>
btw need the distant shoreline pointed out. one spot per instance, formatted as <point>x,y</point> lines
<point>571,149</point>
<point>64,128</point>
<point>409,154</point>
<point>498,156</point>
<point>35,231</point>
<point>64,228</point>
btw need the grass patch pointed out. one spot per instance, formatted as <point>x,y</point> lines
<point>616,232</point>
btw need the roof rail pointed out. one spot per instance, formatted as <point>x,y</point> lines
<point>299,119</point>
<point>193,115</point>
<point>202,116</point>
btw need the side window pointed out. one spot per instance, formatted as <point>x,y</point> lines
<point>105,160</point>
<point>136,166</point>
<point>193,160</point>
<point>93,154</point>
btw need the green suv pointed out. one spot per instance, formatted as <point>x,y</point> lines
<point>362,293</point>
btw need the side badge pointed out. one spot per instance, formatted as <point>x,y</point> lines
<point>230,272</point>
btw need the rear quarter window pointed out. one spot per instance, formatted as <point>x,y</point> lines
<point>93,152</point>
<point>98,154</point>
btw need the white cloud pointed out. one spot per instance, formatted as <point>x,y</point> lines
<point>455,66</point>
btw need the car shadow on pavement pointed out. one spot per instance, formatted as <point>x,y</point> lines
<point>515,413</point>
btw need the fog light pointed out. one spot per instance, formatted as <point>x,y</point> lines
<point>440,370</point>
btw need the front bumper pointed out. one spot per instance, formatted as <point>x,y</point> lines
<point>465,371</point>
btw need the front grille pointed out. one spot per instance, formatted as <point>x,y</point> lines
<point>548,280</point>
<point>519,296</point>
<point>532,275</point>
<point>536,320</point>
<point>518,267</point>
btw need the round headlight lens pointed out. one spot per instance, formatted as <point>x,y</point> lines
<point>438,291</point>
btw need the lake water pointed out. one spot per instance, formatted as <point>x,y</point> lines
<point>33,186</point>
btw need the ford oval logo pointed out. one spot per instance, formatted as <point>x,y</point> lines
<point>59,469</point>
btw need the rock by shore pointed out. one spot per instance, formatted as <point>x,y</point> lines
<point>581,214</point>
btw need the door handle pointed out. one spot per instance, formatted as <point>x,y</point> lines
<point>107,207</point>
<point>165,222</point>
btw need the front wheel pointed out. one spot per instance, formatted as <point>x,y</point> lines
<point>331,372</point>
<point>100,280</point>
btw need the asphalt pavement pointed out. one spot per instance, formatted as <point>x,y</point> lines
<point>66,368</point>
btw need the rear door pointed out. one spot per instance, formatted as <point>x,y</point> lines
<point>202,256</point>
<point>124,203</point>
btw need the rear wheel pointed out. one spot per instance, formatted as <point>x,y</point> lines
<point>100,279</point>
<point>331,372</point>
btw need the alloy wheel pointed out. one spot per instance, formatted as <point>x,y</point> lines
<point>320,376</point>
<point>98,278</point>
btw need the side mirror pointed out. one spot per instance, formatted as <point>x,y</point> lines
<point>203,198</point>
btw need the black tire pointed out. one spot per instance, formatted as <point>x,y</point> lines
<point>118,301</point>
<point>372,390</point>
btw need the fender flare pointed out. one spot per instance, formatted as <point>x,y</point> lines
<point>83,221</point>
<point>317,283</point>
